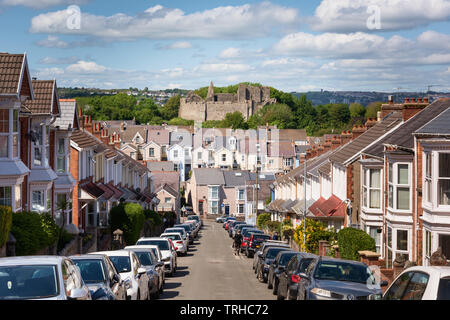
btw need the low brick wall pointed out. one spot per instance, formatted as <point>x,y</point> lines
<point>72,248</point>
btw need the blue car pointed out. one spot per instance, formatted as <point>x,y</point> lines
<point>337,279</point>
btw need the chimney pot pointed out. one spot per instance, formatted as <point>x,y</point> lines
<point>425,100</point>
<point>413,100</point>
<point>419,100</point>
<point>406,100</point>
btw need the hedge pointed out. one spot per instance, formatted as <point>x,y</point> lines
<point>153,216</point>
<point>130,218</point>
<point>262,220</point>
<point>5,224</point>
<point>33,232</point>
<point>274,226</point>
<point>351,240</point>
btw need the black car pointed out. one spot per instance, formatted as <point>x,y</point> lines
<point>233,225</point>
<point>101,277</point>
<point>289,278</point>
<point>266,259</point>
<point>255,242</point>
<point>338,279</point>
<point>277,267</point>
<point>240,227</point>
<point>246,234</point>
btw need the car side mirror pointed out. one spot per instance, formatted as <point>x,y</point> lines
<point>383,283</point>
<point>304,275</point>
<point>260,254</point>
<point>116,278</point>
<point>78,294</point>
<point>281,268</point>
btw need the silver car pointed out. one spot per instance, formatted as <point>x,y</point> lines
<point>41,278</point>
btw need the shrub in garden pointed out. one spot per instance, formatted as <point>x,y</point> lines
<point>262,220</point>
<point>351,240</point>
<point>315,231</point>
<point>5,224</point>
<point>274,226</point>
<point>33,232</point>
<point>130,218</point>
<point>153,216</point>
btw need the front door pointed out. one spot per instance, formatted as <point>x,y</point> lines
<point>227,209</point>
<point>200,207</point>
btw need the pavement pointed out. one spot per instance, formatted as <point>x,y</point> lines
<point>211,271</point>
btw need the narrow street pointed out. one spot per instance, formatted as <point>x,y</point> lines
<point>211,271</point>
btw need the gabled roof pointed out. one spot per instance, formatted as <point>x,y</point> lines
<point>208,176</point>
<point>171,178</point>
<point>281,149</point>
<point>14,75</point>
<point>160,166</point>
<point>181,138</point>
<point>83,139</point>
<point>352,148</point>
<point>402,136</point>
<point>160,136</point>
<point>235,178</point>
<point>68,117</point>
<point>440,125</point>
<point>168,189</point>
<point>130,131</point>
<point>45,100</point>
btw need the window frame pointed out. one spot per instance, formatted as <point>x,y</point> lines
<point>438,179</point>
<point>394,186</point>
<point>367,188</point>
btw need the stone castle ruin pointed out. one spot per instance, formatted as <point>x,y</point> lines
<point>248,100</point>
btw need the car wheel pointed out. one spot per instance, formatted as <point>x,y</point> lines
<point>260,276</point>
<point>275,287</point>
<point>269,284</point>
<point>279,296</point>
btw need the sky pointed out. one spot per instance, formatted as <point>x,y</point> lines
<point>307,45</point>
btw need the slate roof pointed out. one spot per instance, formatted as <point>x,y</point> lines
<point>67,115</point>
<point>45,98</point>
<point>83,139</point>
<point>168,189</point>
<point>355,146</point>
<point>402,136</point>
<point>160,166</point>
<point>440,125</point>
<point>325,168</point>
<point>171,178</point>
<point>92,189</point>
<point>234,178</point>
<point>130,132</point>
<point>281,149</point>
<point>208,176</point>
<point>160,136</point>
<point>181,138</point>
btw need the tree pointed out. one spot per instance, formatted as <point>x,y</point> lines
<point>235,120</point>
<point>171,108</point>
<point>372,109</point>
<point>315,231</point>
<point>351,240</point>
<point>357,110</point>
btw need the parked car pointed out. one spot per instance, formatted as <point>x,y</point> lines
<point>41,278</point>
<point>277,267</point>
<point>149,262</point>
<point>221,219</point>
<point>263,246</point>
<point>131,271</point>
<point>194,226</point>
<point>182,232</point>
<point>101,277</point>
<point>159,263</point>
<point>227,220</point>
<point>179,243</point>
<point>288,279</point>
<point>420,283</point>
<point>196,218</point>
<point>246,233</point>
<point>168,252</point>
<point>266,259</point>
<point>240,227</point>
<point>254,243</point>
<point>337,279</point>
<point>189,230</point>
<point>232,226</point>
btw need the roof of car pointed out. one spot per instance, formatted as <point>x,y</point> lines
<point>442,270</point>
<point>31,260</point>
<point>325,258</point>
<point>87,256</point>
<point>170,234</point>
<point>117,253</point>
<point>152,238</point>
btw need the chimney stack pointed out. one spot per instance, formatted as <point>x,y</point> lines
<point>335,142</point>
<point>357,131</point>
<point>346,136</point>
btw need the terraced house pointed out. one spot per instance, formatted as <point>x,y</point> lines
<point>388,178</point>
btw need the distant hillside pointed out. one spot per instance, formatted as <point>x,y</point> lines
<point>363,97</point>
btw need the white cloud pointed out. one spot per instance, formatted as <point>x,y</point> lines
<point>176,46</point>
<point>65,60</point>
<point>39,4</point>
<point>52,42</point>
<point>222,67</point>
<point>86,67</point>
<point>230,53</point>
<point>352,15</point>
<point>226,22</point>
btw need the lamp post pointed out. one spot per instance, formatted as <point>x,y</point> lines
<point>304,212</point>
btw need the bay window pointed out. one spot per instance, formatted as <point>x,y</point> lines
<point>41,145</point>
<point>9,133</point>
<point>11,196</point>
<point>37,201</point>
<point>61,166</point>
<point>399,192</point>
<point>5,196</point>
<point>375,233</point>
<point>389,246</point>
<point>372,188</point>
<point>444,179</point>
<point>428,190</point>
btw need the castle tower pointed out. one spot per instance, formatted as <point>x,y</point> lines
<point>210,95</point>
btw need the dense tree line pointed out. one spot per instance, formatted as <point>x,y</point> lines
<point>290,112</point>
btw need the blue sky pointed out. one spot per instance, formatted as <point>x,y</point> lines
<point>290,45</point>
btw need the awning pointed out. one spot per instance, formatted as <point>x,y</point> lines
<point>333,207</point>
<point>90,191</point>
<point>117,192</point>
<point>108,192</point>
<point>299,207</point>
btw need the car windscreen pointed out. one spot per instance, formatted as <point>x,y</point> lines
<point>145,258</point>
<point>177,230</point>
<point>28,282</point>
<point>92,271</point>
<point>260,237</point>
<point>343,271</point>
<point>162,244</point>
<point>122,264</point>
<point>284,259</point>
<point>272,252</point>
<point>171,236</point>
<point>444,289</point>
<point>193,218</point>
